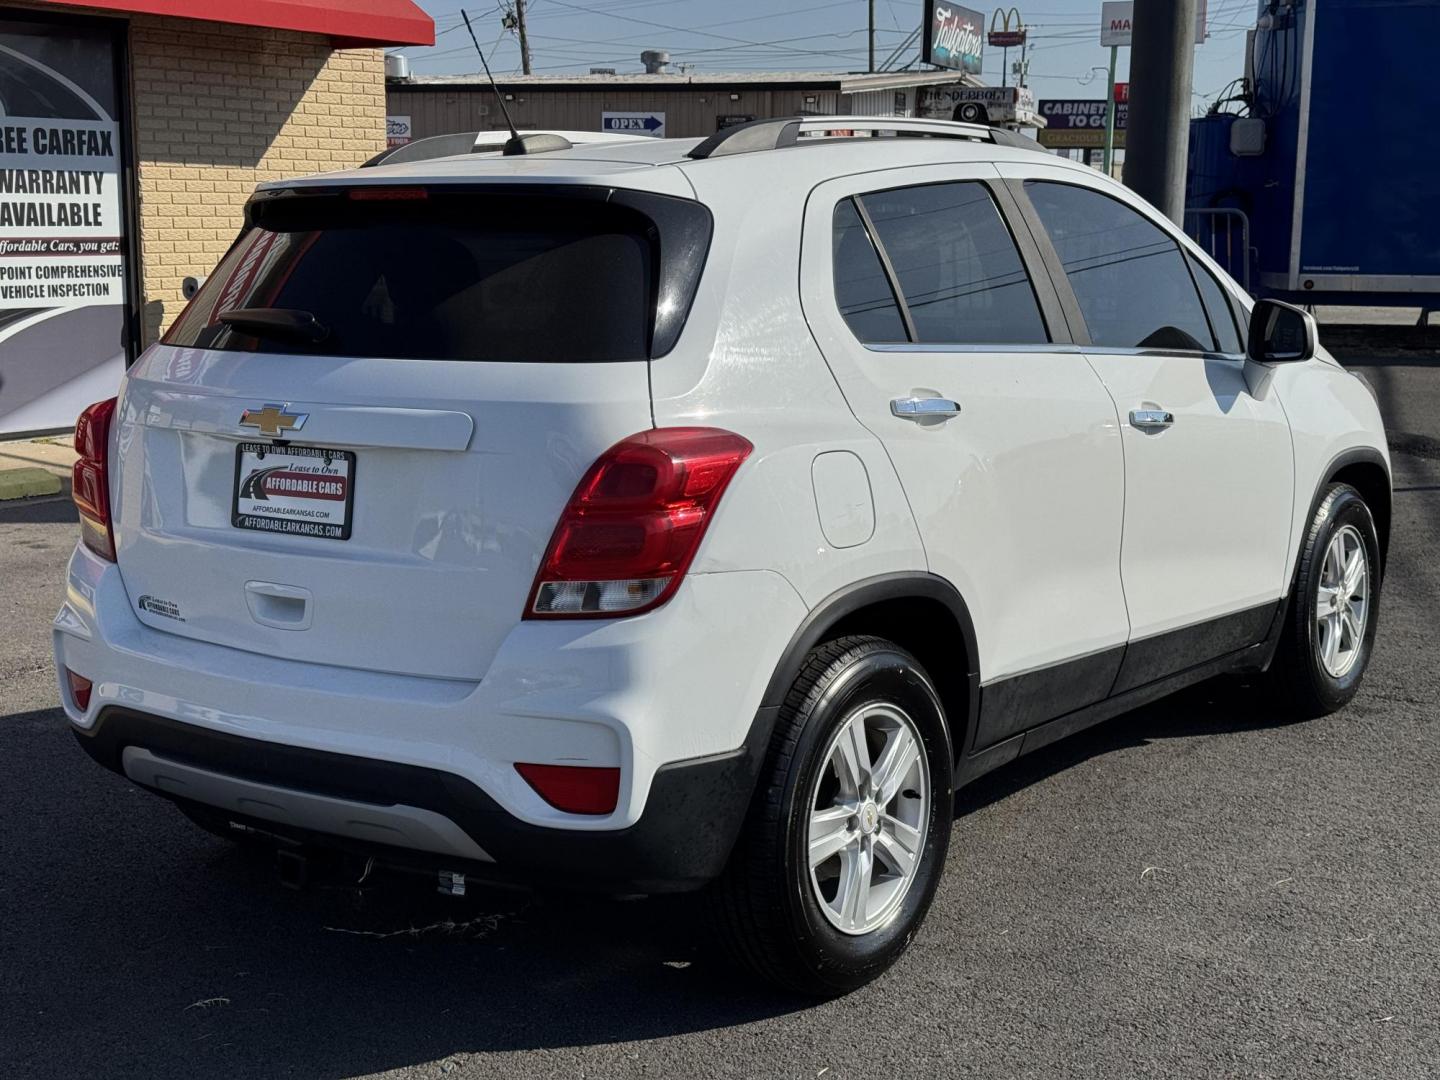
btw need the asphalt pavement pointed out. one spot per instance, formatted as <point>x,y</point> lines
<point>1197,889</point>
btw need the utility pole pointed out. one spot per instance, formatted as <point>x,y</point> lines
<point>524,41</point>
<point>1110,115</point>
<point>872,36</point>
<point>1157,136</point>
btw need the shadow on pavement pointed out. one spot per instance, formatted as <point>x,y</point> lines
<point>1218,707</point>
<point>52,511</point>
<point>181,954</point>
<point>134,944</point>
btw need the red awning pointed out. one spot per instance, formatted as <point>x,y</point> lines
<point>350,22</point>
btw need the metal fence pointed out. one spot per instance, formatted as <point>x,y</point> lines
<point>1224,233</point>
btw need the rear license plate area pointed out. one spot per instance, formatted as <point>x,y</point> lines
<point>299,490</point>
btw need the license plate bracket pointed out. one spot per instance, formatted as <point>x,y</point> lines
<point>296,490</point>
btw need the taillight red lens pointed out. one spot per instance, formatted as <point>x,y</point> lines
<point>636,519</point>
<point>90,478</point>
<point>79,689</point>
<point>576,789</point>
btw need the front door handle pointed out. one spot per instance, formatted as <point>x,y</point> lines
<point>1146,419</point>
<point>924,408</point>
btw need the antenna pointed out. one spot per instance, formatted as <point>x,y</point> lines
<point>515,144</point>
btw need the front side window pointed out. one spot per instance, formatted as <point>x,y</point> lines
<point>1127,273</point>
<point>1217,306</point>
<point>957,266</point>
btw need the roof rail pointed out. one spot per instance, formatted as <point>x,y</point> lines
<point>787,131</point>
<point>484,142</point>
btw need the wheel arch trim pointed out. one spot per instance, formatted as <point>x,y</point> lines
<point>855,598</point>
<point>1357,455</point>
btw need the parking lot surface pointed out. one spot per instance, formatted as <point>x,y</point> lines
<point>1197,889</point>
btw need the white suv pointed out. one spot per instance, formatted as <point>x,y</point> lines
<point>649,515</point>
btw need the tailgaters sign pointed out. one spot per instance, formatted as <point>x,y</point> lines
<point>954,37</point>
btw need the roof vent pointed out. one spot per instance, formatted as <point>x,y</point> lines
<point>656,61</point>
<point>397,66</point>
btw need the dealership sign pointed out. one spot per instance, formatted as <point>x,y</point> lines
<point>954,37</point>
<point>63,224</point>
<point>1116,19</point>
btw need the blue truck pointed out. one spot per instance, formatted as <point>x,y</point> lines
<point>1317,181</point>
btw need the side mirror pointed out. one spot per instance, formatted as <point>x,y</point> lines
<point>1281,333</point>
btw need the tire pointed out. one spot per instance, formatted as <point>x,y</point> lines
<point>791,924</point>
<point>1310,680</point>
<point>971,112</point>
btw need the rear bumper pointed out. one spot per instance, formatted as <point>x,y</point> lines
<point>670,698</point>
<point>681,841</point>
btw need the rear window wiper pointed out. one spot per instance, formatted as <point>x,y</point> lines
<point>277,324</point>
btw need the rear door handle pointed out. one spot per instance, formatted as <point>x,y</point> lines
<point>924,408</point>
<point>1151,418</point>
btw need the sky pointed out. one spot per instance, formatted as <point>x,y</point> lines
<point>1066,58</point>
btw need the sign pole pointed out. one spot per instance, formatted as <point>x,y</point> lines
<point>1110,113</point>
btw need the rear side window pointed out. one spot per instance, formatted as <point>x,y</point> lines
<point>1128,275</point>
<point>862,289</point>
<point>442,276</point>
<point>1218,307</point>
<point>957,266</point>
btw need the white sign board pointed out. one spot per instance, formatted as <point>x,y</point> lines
<point>397,130</point>
<point>1116,19</point>
<point>1002,104</point>
<point>60,220</point>
<point>634,123</point>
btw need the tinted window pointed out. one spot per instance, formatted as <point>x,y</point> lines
<point>1218,307</point>
<point>861,288</point>
<point>1128,274</point>
<point>958,267</point>
<point>447,278</point>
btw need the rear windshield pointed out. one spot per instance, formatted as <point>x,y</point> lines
<point>439,276</point>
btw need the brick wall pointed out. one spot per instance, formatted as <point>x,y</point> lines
<point>219,109</point>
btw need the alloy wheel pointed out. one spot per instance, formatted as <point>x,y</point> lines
<point>869,811</point>
<point>1342,602</point>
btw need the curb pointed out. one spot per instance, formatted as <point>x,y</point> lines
<point>27,483</point>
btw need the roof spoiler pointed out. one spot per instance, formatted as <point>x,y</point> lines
<point>787,131</point>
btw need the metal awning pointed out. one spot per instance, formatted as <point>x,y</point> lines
<point>348,22</point>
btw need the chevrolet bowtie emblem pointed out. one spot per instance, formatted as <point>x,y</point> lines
<point>273,420</point>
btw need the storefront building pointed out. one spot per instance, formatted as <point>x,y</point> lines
<point>659,104</point>
<point>131,134</point>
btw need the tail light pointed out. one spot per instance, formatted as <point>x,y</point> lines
<point>576,789</point>
<point>90,487</point>
<point>628,533</point>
